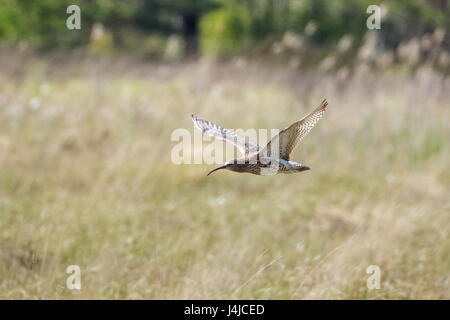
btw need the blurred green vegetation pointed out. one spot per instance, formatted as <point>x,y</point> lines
<point>214,27</point>
<point>225,30</point>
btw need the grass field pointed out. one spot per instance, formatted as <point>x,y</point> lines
<point>87,179</point>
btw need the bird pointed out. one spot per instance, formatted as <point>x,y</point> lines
<point>274,158</point>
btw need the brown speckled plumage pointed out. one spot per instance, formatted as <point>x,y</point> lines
<point>274,157</point>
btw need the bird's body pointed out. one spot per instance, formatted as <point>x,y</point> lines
<point>274,157</point>
<point>265,168</point>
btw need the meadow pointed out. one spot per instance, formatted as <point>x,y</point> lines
<point>87,179</point>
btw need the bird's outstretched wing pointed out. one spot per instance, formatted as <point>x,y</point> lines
<point>288,138</point>
<point>220,133</point>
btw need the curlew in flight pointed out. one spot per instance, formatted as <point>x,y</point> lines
<point>274,157</point>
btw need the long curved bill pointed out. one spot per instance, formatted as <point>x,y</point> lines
<point>222,167</point>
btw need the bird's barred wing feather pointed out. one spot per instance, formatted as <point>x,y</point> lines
<point>220,133</point>
<point>288,138</point>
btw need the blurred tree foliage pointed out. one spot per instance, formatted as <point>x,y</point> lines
<point>221,27</point>
<point>227,30</point>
